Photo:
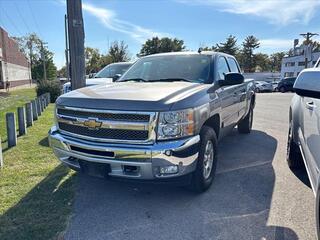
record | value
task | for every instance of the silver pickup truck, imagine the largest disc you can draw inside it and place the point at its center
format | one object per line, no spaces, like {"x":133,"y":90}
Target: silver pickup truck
{"x":161,"y":121}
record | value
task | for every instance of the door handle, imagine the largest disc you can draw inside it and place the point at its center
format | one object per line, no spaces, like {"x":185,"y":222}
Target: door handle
{"x":310,"y":105}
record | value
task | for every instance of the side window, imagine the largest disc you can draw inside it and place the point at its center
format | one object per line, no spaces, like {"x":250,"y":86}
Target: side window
{"x":233,"y":65}
{"x":222,"y":68}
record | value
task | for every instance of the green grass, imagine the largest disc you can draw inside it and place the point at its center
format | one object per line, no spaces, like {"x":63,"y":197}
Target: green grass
{"x":36,"y":192}
{"x":9,"y":103}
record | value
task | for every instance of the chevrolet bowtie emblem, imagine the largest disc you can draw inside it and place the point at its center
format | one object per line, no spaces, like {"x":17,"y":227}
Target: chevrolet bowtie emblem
{"x":92,"y":124}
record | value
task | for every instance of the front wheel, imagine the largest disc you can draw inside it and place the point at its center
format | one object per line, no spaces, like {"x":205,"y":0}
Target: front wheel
{"x":282,"y":89}
{"x":294,"y":157}
{"x":204,"y":174}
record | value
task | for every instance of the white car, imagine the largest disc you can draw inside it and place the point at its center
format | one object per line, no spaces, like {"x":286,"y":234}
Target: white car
{"x":304,"y":130}
{"x":108,"y":74}
{"x":262,"y":86}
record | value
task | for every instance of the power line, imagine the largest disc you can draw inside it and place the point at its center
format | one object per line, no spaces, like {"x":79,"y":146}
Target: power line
{"x":22,"y":18}
{"x":11,"y":22}
{"x":34,"y":19}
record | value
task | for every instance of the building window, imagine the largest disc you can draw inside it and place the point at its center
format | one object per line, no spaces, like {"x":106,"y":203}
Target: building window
{"x":301,"y":63}
{"x":288,"y":74}
{"x":290,"y":64}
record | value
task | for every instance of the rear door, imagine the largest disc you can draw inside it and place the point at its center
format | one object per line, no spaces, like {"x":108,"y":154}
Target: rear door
{"x":240,"y":89}
{"x":229,"y":99}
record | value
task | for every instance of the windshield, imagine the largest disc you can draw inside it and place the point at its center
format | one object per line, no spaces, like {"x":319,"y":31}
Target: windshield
{"x":112,"y":70}
{"x":191,"y":67}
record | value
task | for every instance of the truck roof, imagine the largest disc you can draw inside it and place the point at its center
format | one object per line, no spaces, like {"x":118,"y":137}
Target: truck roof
{"x":209,"y":53}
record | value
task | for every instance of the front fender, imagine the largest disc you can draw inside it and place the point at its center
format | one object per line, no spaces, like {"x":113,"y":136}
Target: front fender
{"x":295,"y":115}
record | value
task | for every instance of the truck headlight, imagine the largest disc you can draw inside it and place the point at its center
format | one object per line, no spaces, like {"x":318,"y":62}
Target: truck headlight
{"x":176,"y":124}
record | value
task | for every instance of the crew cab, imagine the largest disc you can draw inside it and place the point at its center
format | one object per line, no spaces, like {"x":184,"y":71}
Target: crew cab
{"x":161,"y":121}
{"x":107,"y":74}
{"x":304,"y":130}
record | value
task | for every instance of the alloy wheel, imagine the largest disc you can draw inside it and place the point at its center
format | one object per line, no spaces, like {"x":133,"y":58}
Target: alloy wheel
{"x":208,"y":160}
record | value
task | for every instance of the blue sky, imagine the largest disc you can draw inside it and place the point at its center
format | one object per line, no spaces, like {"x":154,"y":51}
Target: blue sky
{"x":197,"y":22}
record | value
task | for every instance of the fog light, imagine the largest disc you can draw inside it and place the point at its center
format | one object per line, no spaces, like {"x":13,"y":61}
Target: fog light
{"x":169,"y":169}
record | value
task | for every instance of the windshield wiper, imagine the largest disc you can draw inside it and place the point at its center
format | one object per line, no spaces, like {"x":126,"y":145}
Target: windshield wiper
{"x":133,"y":79}
{"x":171,"y":80}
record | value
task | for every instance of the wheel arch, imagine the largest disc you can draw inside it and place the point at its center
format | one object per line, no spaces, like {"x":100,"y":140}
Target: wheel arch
{"x":294,"y":117}
{"x":215,"y":123}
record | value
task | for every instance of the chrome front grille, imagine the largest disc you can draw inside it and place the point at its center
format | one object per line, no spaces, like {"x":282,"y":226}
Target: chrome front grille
{"x":107,"y":126}
{"x":106,"y":133}
{"x":106,"y":115}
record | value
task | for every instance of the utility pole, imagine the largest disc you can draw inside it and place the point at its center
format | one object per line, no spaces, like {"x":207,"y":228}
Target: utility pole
{"x":44,"y":62}
{"x":67,"y":47}
{"x":76,"y":43}
{"x":308,"y":37}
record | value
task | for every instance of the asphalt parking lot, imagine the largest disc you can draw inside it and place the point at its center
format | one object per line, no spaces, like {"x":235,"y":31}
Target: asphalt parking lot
{"x":254,"y":195}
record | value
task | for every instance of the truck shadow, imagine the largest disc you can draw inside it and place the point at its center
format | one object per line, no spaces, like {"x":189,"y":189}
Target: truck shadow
{"x":42,"y":212}
{"x":235,"y":207}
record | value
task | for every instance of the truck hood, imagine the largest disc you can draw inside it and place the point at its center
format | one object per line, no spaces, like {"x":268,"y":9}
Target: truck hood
{"x":131,"y":96}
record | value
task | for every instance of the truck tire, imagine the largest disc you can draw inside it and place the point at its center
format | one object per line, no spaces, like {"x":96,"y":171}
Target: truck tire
{"x":203,"y":176}
{"x":245,"y":125}
{"x":294,"y":157}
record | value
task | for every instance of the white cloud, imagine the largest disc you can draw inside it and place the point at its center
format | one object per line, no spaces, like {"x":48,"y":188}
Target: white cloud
{"x":109,"y":19}
{"x":276,"y":43}
{"x":279,"y":12}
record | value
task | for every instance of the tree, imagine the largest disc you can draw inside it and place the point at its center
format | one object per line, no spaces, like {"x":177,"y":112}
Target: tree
{"x":118,"y":52}
{"x":206,"y":48}
{"x":276,"y":60}
{"x":229,"y":46}
{"x":262,"y":62}
{"x":315,"y":45}
{"x":37,"y":67}
{"x":92,"y":57}
{"x":157,"y":45}
{"x":104,"y":61}
{"x":62,"y":72}
{"x":247,"y":58}
{"x":33,"y":42}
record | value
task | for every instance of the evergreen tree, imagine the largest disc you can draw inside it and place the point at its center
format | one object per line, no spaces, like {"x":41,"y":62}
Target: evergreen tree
{"x":247,"y":58}
{"x":229,"y":46}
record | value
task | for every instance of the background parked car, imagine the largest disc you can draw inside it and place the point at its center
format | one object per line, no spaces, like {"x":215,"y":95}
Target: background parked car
{"x":109,"y":73}
{"x":304,"y":130}
{"x":286,"y":84}
{"x":275,"y":86}
{"x":262,"y":86}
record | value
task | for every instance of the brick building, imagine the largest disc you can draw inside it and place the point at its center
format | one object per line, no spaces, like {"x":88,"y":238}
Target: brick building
{"x":14,"y":66}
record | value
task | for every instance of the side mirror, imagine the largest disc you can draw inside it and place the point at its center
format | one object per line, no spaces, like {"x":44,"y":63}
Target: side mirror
{"x":231,"y":79}
{"x":308,"y":84}
{"x":116,"y":77}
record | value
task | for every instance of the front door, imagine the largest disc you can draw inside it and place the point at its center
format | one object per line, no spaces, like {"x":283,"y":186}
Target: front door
{"x":311,"y":134}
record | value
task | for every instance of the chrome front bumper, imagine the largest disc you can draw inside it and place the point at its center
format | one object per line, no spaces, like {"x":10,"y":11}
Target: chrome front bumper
{"x":146,"y":160}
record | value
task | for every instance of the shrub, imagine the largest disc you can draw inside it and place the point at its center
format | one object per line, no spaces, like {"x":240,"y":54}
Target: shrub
{"x":52,"y":87}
